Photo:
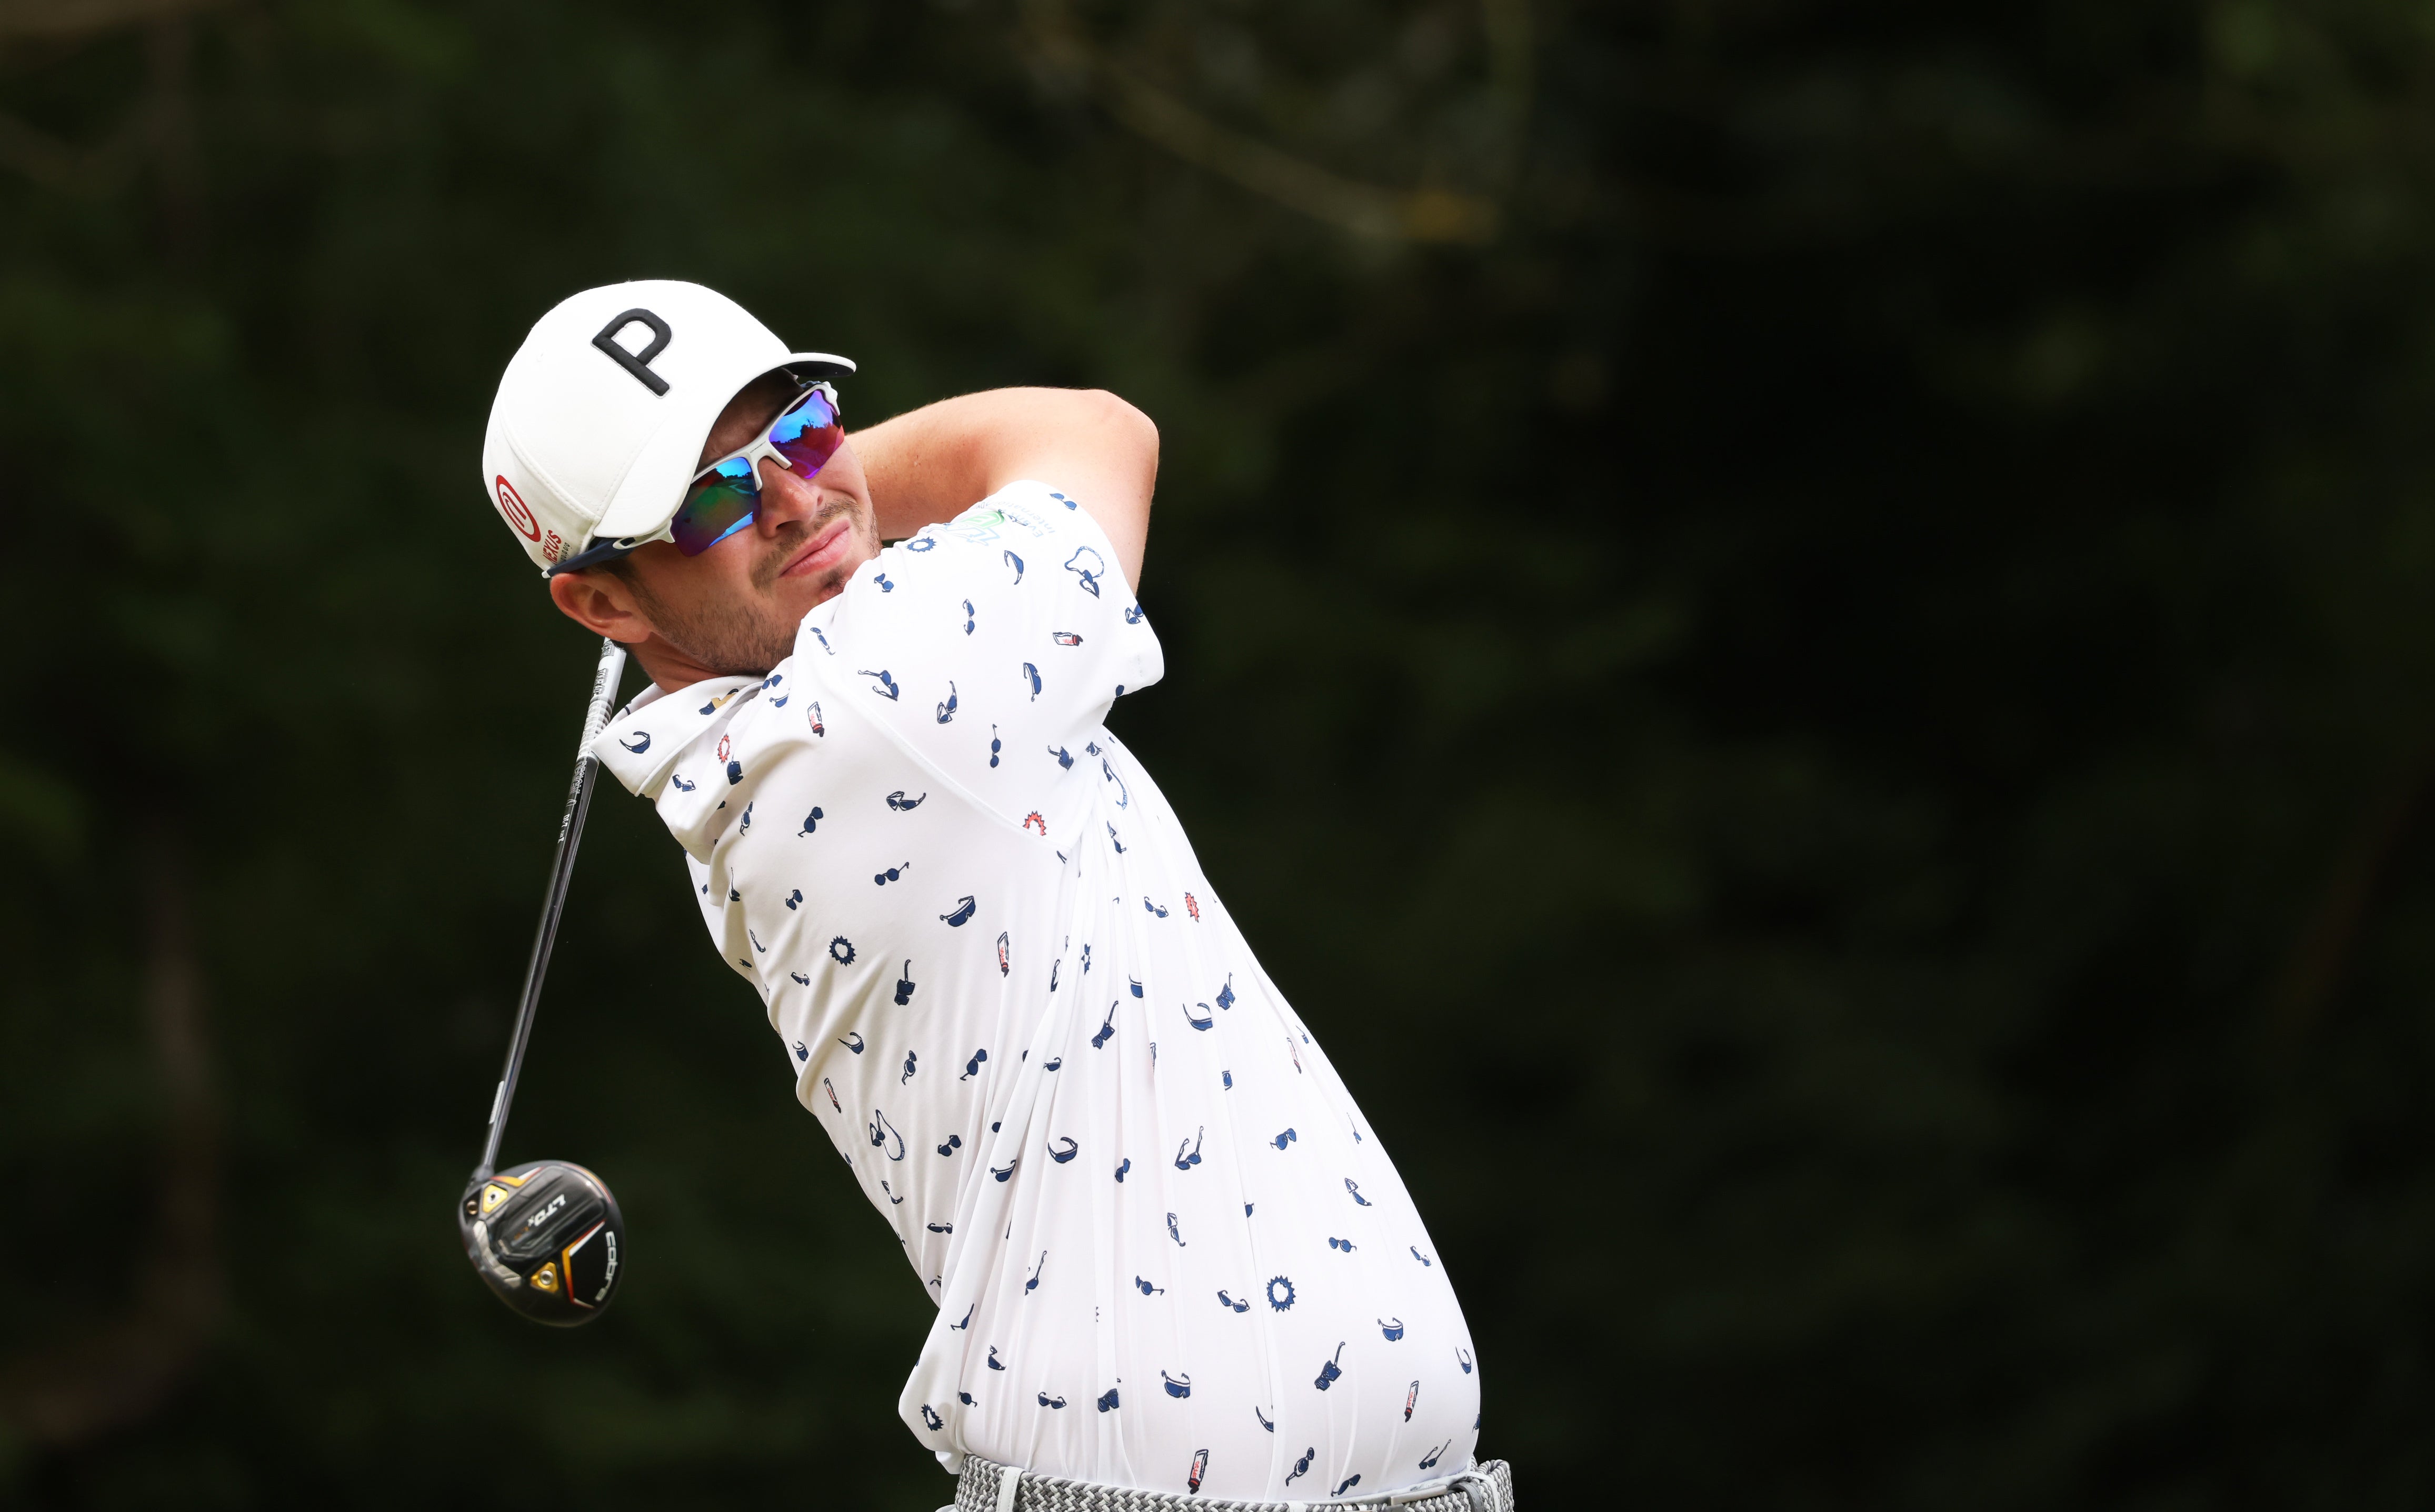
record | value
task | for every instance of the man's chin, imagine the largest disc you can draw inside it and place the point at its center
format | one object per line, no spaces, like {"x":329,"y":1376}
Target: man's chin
{"x":747,"y":642}
{"x":799,"y":596}
{"x":773,"y":641}
{"x":799,"y":593}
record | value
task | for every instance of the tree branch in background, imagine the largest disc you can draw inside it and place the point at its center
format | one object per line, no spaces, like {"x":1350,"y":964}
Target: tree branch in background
{"x":1365,"y":210}
{"x":123,"y":1371}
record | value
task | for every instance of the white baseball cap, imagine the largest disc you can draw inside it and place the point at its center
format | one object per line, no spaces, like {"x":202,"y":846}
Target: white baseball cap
{"x":601,"y":415}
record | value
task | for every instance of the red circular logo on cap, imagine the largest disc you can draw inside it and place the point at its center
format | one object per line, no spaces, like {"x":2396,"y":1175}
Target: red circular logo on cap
{"x":513,"y":505}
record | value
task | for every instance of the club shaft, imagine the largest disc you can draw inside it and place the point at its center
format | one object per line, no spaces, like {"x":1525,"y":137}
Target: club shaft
{"x":570,"y":834}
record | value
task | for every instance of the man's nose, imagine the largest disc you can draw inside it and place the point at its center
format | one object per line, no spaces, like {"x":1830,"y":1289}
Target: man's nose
{"x":786,"y":496}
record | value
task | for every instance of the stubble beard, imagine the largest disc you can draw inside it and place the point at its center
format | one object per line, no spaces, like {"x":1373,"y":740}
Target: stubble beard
{"x":744,"y":638}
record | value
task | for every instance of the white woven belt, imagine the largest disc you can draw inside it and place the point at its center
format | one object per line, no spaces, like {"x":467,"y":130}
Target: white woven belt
{"x":987,"y":1487}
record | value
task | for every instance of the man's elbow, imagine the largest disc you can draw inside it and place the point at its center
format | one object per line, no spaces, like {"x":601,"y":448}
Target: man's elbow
{"x":1127,"y":430}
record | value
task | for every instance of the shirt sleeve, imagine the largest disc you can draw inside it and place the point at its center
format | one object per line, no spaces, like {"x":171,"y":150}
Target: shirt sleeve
{"x":1006,"y":632}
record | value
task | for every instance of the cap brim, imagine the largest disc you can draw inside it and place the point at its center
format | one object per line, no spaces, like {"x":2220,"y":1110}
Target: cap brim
{"x":818,"y":365}
{"x":649,"y":495}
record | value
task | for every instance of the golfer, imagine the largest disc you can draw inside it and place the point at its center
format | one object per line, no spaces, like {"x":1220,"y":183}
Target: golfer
{"x":1168,"y":1254}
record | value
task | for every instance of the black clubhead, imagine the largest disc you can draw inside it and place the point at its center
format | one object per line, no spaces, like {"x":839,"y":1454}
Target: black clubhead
{"x":548,"y":1238}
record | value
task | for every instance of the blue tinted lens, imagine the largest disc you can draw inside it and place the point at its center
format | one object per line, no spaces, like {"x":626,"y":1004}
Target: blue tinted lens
{"x":720,"y":503}
{"x":807,"y":435}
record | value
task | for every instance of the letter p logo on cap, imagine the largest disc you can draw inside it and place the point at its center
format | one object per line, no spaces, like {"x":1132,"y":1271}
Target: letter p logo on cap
{"x":637,"y":363}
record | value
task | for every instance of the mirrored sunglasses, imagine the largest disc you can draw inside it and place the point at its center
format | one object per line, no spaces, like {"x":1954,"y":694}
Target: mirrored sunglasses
{"x":725,"y":496}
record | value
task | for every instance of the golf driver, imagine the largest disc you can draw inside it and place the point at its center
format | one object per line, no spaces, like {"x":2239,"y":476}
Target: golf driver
{"x":546,"y":1235}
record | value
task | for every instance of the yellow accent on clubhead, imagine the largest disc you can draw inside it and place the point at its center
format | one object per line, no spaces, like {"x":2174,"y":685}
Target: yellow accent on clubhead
{"x":545,"y":1279}
{"x":493,"y":1194}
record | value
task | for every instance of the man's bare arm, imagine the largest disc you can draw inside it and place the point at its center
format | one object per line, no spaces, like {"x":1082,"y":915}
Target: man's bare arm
{"x":930,"y":464}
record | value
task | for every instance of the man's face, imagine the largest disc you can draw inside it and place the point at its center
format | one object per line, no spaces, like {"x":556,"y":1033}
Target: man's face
{"x":735,"y":609}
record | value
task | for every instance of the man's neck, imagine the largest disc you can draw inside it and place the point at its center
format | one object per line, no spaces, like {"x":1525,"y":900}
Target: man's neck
{"x":669,"y":668}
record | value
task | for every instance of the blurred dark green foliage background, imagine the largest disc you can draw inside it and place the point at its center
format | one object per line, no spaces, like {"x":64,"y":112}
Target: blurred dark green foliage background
{"x":1803,"y":631}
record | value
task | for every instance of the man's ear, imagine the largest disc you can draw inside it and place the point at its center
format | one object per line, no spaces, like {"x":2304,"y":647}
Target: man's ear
{"x":601,"y":603}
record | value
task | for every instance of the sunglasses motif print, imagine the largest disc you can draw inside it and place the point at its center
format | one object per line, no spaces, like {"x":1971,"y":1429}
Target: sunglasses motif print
{"x":725,"y":496}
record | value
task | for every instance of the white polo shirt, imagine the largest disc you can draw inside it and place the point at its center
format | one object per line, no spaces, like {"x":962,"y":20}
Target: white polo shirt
{"x":1168,"y":1250}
